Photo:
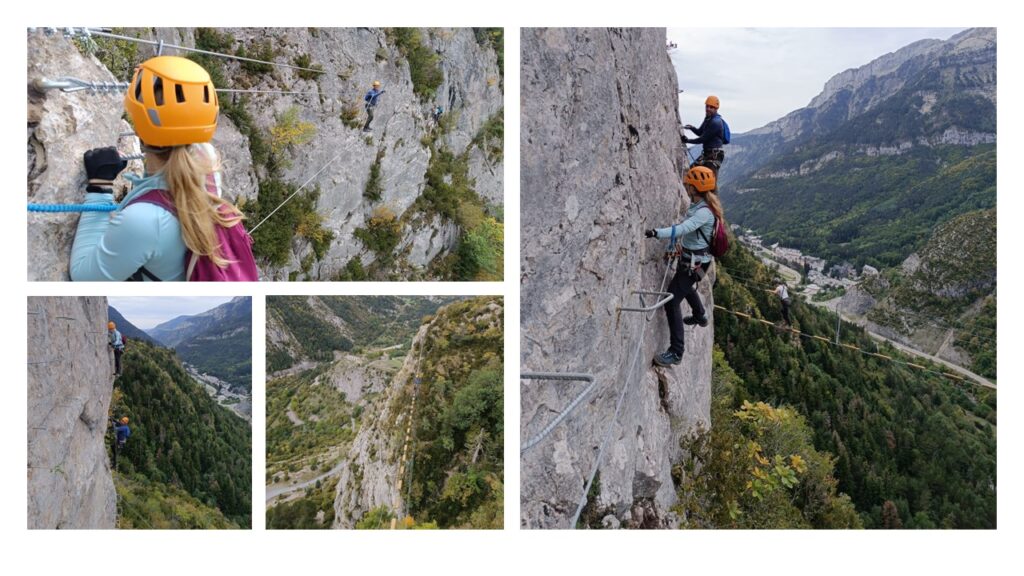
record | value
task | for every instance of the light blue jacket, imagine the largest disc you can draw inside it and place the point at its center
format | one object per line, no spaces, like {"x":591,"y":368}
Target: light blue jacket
{"x":114,"y":246}
{"x":698,"y":217}
{"x":114,"y":337}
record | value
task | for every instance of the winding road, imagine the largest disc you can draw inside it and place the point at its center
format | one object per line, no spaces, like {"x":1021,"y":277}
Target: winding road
{"x":275,"y":491}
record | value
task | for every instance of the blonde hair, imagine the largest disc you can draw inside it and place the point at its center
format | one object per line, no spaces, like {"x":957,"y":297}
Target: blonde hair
{"x":714,"y":204}
{"x":198,"y":211}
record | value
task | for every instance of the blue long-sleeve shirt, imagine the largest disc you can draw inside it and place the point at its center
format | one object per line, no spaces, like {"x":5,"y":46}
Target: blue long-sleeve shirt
{"x":711,"y":133}
{"x":123,"y":432}
{"x":372,"y":96}
{"x":114,"y":337}
{"x":698,"y":217}
{"x":115,"y":246}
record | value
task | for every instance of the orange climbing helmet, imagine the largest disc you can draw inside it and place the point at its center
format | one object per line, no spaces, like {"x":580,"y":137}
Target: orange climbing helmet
{"x":712,"y":101}
{"x":124,"y":420}
{"x":110,"y":325}
{"x":700,"y":177}
{"x":172,"y":102}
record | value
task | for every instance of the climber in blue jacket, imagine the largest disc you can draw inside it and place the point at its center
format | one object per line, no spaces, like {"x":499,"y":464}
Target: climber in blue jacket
{"x":371,"y":99}
{"x":122,"y":432}
{"x":712,"y":134}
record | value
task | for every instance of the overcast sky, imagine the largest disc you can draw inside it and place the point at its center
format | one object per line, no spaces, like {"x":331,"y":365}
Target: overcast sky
{"x":147,"y":312}
{"x":762,"y":74}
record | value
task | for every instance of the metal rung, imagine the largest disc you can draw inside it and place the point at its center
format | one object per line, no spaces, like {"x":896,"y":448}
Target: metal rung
{"x":667,"y":298}
{"x":564,"y":376}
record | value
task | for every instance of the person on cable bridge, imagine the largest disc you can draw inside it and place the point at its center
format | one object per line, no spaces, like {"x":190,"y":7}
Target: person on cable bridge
{"x":173,"y":223}
{"x":694,"y":235}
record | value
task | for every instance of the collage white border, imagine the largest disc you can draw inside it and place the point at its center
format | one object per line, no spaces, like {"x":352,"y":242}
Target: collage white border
{"x":510,"y":551}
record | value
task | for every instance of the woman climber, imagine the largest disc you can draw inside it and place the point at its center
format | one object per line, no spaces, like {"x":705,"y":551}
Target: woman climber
{"x":173,"y":223}
{"x":694,"y":235}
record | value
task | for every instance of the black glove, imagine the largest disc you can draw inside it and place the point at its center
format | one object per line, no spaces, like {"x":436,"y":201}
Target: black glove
{"x":650,"y":234}
{"x":684,"y":139}
{"x":104,"y":164}
{"x":689,"y":127}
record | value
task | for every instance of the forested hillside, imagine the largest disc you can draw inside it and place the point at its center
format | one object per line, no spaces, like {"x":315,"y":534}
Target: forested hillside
{"x":181,"y":439}
{"x":882,"y":156}
{"x":911,"y":448}
{"x":458,"y":477}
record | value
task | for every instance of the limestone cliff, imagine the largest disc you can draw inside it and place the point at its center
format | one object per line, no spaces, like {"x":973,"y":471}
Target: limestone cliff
{"x":69,"y":391}
{"x":327,"y":110}
{"x":369,"y":477}
{"x":601,"y":162}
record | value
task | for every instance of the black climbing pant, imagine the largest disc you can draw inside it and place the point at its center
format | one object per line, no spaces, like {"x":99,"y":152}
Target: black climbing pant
{"x":369,"y":117}
{"x":785,"y":311}
{"x":711,"y":159}
{"x":683,"y":286}
{"x":117,"y":360}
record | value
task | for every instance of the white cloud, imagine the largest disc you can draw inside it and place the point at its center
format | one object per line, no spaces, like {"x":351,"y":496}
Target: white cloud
{"x":762,"y":74}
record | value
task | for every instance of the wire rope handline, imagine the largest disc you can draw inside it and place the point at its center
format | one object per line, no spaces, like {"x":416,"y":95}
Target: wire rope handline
{"x":564,"y":376}
{"x":622,"y":396}
{"x":982,"y":333}
{"x":304,"y":184}
{"x":949,"y":375}
{"x":89,"y":32}
{"x":69,"y":84}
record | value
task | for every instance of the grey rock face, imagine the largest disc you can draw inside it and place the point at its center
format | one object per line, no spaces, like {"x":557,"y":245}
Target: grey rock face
{"x":61,"y":128}
{"x":69,"y":390}
{"x":355,"y":58}
{"x":601,"y":162}
{"x":856,"y":301}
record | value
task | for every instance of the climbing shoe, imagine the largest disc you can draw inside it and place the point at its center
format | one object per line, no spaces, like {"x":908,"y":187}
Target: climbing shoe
{"x":691,"y":320}
{"x":667,"y":359}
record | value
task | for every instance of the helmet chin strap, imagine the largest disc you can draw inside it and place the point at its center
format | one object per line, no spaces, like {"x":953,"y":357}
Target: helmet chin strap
{"x":161,"y":150}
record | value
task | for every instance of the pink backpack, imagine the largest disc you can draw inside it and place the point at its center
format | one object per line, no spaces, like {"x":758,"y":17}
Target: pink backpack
{"x":719,"y":243}
{"x":235,"y":247}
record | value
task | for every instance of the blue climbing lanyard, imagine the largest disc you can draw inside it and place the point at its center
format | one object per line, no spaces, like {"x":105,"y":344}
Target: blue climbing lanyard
{"x":72,"y":207}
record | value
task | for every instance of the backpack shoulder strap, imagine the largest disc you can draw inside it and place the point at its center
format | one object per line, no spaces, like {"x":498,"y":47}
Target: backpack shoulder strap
{"x":142,"y":274}
{"x":714,"y":222}
{"x":158,"y":197}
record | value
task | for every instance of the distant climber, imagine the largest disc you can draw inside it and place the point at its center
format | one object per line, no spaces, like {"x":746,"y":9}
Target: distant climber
{"x":713,"y":134}
{"x":173,"y":224}
{"x":371,"y":99}
{"x":436,"y":114}
{"x":783,"y":293}
{"x":116,"y":343}
{"x":694,"y":235}
{"x":121,"y":434}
